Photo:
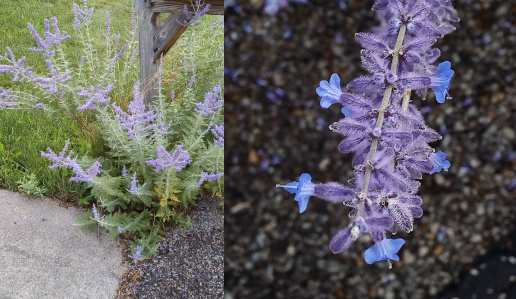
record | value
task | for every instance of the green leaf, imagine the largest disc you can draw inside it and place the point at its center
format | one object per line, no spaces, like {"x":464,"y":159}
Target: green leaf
{"x":85,"y":222}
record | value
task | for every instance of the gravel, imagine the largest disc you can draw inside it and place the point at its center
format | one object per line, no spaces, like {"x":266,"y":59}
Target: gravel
{"x":276,"y":130}
{"x":189,"y":263}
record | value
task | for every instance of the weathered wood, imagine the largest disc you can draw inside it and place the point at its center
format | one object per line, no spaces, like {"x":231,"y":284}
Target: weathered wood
{"x":156,"y":39}
{"x":169,"y":33}
{"x":171,"y":6}
{"x":148,"y":67}
{"x":187,"y":2}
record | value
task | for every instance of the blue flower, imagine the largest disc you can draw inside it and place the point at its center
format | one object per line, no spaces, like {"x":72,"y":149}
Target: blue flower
{"x":387,"y":249}
{"x":347,"y":112}
{"x":441,"y":81}
{"x":329,"y":92}
{"x":303,"y":190}
{"x":439,"y":161}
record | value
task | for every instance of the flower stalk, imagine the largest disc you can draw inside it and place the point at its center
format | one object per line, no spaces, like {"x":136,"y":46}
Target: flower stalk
{"x":381,"y":115}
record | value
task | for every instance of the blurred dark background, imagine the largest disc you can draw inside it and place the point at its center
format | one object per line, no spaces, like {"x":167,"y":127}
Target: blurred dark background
{"x":463,"y":246}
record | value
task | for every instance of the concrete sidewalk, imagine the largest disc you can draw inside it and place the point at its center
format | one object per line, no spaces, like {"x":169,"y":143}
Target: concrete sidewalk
{"x":43,"y":256}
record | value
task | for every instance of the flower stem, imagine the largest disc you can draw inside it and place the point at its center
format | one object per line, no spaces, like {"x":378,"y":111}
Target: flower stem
{"x":406,"y":98}
{"x":381,"y":115}
{"x":85,"y":126}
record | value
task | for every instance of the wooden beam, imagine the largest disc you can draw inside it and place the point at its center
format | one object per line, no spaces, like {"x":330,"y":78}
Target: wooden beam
{"x":149,"y":22}
{"x":172,"y":6}
{"x":156,"y":39}
{"x":169,"y":33}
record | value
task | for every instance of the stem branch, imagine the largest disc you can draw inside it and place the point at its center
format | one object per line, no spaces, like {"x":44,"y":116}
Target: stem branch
{"x":406,"y":98}
{"x":379,"y":121}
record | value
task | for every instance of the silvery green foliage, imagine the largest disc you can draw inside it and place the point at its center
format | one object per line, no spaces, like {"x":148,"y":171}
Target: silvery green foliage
{"x":156,"y":156}
{"x":29,"y":185}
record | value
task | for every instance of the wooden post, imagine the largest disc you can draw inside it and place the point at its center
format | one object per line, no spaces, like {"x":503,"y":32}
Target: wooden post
{"x":147,"y":66}
{"x":157,"y":38}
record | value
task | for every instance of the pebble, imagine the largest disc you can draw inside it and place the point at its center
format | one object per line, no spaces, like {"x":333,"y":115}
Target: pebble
{"x":408,"y":257}
{"x":423,"y":251}
{"x":509,"y":133}
{"x":476,"y":238}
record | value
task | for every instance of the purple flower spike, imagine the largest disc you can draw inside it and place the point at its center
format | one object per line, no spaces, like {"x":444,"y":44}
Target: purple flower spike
{"x":329,"y":92}
{"x":209,"y":177}
{"x":134,"y":187}
{"x":192,"y":16}
{"x":439,"y":161}
{"x":68,"y":162}
{"x":137,"y":253}
{"x":210,"y":104}
{"x":218,"y":131}
{"x":95,"y":97}
{"x":51,"y":83}
{"x":303,"y":189}
{"x":137,"y":123}
{"x":163,"y":159}
{"x":46,"y":46}
{"x":120,"y":230}
{"x":122,"y":51}
{"x":95,"y":213}
{"x":192,"y":81}
{"x":81,"y":16}
{"x":386,"y":249}
{"x":179,"y":159}
{"x":108,"y":24}
{"x":6,"y":98}
{"x":17,"y":68}
{"x":441,"y":81}
{"x":85,"y":176}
